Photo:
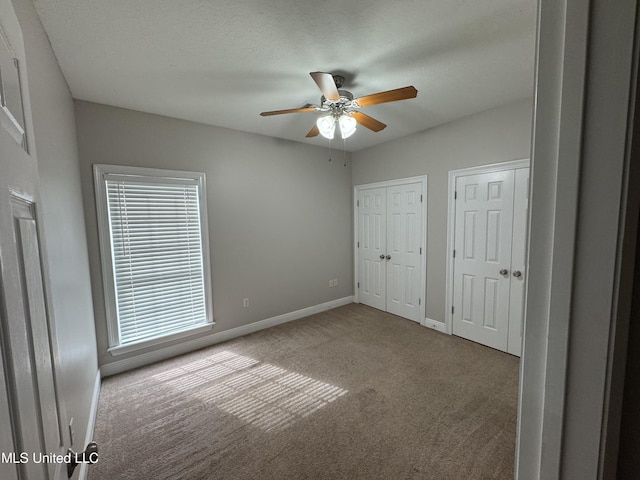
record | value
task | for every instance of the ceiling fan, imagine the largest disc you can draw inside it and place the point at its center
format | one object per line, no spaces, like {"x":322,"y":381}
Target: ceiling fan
{"x":342,"y":109}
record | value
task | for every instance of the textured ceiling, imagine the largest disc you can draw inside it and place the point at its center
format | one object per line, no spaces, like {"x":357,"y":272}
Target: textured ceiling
{"x":223,"y":62}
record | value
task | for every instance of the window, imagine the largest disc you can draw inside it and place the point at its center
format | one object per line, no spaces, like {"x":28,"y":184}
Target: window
{"x":153,"y":239}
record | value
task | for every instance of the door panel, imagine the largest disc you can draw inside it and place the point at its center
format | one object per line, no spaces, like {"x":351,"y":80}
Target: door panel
{"x":403,"y":268}
{"x":518,"y":259}
{"x":8,"y":471}
{"x":29,"y":413}
{"x":483,"y":228}
{"x":372,"y":223}
{"x":31,"y":406}
{"x":26,"y":235}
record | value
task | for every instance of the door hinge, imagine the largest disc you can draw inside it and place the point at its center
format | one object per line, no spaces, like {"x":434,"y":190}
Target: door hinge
{"x":419,"y":301}
{"x":455,"y":195}
{"x":454,"y":253}
{"x":452,"y":310}
{"x":358,"y":244}
{"x":420,"y":250}
{"x":420,"y":198}
{"x":357,"y":203}
{"x":358,"y":284}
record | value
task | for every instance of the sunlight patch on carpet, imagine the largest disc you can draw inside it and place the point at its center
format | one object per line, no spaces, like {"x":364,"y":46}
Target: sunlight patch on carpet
{"x":266,"y":396}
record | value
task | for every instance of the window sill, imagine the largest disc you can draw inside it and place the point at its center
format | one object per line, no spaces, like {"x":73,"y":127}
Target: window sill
{"x":132,"y":347}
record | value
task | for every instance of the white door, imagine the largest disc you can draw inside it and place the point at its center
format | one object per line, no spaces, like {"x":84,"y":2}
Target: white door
{"x":483,"y":229}
{"x":489,"y":248}
{"x":404,"y":233}
{"x":372,"y":227}
{"x":29,"y":411}
{"x":518,"y":258}
{"x":389,"y":249}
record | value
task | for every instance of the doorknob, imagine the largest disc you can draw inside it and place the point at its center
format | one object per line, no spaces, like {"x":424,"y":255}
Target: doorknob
{"x":517,"y":274}
{"x":388,"y":257}
{"x":504,"y":271}
{"x":90,"y":456}
{"x":381,"y":257}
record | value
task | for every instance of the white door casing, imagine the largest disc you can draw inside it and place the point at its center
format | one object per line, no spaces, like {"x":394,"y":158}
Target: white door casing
{"x":483,"y":229}
{"x":390,"y":246}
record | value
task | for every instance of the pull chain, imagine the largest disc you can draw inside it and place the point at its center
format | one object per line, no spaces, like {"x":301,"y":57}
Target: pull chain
{"x":344,"y":151}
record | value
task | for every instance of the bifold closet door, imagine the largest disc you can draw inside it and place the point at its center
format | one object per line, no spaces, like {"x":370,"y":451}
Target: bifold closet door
{"x":404,"y":232}
{"x":372,"y":247}
{"x":389,"y":252}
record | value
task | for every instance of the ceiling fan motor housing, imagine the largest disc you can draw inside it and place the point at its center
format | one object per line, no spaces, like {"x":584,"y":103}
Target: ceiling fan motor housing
{"x":339,"y":80}
{"x":343,"y":105}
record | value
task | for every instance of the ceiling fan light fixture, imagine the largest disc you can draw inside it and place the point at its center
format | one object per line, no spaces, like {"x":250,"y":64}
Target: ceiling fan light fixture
{"x":347,"y":126}
{"x":340,"y":107}
{"x":326,"y":126}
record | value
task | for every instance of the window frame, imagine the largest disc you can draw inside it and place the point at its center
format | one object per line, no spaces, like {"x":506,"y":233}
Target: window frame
{"x":100,"y":174}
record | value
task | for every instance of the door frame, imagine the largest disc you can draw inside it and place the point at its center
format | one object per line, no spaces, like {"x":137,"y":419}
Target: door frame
{"x":423,"y":179}
{"x":451,"y":209}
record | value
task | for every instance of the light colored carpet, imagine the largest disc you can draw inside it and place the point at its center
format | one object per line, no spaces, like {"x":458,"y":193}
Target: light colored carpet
{"x":352,"y":393}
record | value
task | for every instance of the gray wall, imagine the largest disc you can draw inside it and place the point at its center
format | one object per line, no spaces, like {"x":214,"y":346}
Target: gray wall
{"x":279,"y":221}
{"x":492,"y":136}
{"x":53,"y":145}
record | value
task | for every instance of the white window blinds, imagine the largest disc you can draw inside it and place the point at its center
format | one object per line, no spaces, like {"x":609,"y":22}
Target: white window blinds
{"x":156,"y":242}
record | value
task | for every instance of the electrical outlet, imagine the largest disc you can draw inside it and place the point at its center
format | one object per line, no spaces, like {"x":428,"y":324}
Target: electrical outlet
{"x":245,"y":302}
{"x":330,"y":283}
{"x":335,"y":282}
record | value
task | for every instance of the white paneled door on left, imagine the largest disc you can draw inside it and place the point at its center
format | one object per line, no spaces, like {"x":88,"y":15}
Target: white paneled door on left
{"x":390,"y":248}
{"x":372,"y":247}
{"x":30,"y":414}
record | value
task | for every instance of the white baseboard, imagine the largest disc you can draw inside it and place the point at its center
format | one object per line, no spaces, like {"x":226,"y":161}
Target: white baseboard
{"x":91,"y":424}
{"x":125,"y":364}
{"x":439,"y":326}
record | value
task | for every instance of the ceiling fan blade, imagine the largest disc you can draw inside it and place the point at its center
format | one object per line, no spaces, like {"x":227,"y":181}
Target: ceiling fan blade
{"x":368,"y":122}
{"x":313,"y":132}
{"x":388,"y":96}
{"x":291,"y":110}
{"x":326,"y":84}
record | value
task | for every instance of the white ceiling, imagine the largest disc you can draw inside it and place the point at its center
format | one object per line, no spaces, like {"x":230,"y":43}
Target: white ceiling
{"x":222,"y":62}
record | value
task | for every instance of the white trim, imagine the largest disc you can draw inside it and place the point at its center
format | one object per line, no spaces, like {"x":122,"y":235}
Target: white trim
{"x":202,"y":342}
{"x":451,"y":209}
{"x":584,"y":146}
{"x":491,"y":167}
{"x":392,"y":183}
{"x":424,"y":180}
{"x":434,"y":324}
{"x":93,"y":411}
{"x":132,"y":347}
